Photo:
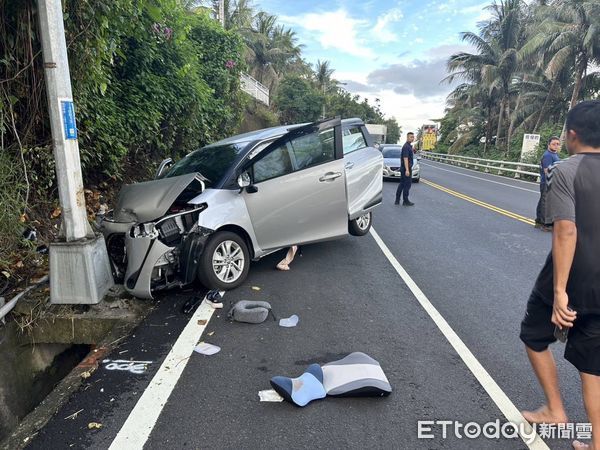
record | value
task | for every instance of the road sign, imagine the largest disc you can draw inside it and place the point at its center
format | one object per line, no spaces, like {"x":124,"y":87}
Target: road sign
{"x":530,"y":146}
{"x":68,"y":119}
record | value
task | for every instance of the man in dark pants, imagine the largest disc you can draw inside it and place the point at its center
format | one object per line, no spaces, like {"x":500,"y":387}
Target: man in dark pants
{"x":406,"y":162}
{"x":566,"y":295}
{"x":549,"y":157}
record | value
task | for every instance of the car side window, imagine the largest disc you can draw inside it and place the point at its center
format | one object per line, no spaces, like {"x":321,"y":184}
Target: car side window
{"x":313,"y":149}
{"x":275,"y":164}
{"x":353,"y":139}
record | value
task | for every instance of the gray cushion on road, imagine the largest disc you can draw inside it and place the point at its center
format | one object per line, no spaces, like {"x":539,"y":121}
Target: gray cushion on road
{"x":355,"y":375}
{"x":249,"y":312}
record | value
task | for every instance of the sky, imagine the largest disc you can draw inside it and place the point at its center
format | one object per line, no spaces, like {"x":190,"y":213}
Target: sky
{"x":395,"y":51}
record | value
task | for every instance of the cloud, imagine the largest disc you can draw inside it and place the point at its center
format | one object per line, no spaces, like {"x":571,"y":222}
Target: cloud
{"x":419,"y":78}
{"x":334,"y":29}
{"x":446,"y":50}
{"x":382,"y":34}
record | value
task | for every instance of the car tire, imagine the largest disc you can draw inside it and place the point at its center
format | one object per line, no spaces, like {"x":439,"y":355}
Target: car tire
{"x":224,"y":252}
{"x":416,"y":180}
{"x":361,"y":225}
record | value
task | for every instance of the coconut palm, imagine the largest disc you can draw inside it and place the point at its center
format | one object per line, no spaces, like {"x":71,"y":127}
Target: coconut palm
{"x":568,"y":36}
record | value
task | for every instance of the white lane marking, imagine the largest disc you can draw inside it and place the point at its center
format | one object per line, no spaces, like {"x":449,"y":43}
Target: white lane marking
{"x":137,"y":428}
{"x":484,"y":179}
{"x":501,"y":400}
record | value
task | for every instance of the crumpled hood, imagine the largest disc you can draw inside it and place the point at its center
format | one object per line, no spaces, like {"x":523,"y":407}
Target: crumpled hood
{"x":150,"y":200}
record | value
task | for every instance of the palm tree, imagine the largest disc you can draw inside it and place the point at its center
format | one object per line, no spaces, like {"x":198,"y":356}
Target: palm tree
{"x":495,"y":65}
{"x":569,"y":36}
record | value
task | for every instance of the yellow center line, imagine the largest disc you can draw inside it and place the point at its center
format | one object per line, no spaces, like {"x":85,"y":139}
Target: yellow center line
{"x":504,"y":212}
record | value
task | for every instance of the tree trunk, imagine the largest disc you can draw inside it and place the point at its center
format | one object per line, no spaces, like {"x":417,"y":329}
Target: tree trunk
{"x":512,"y":121}
{"x":539,"y":122}
{"x":499,"y":129}
{"x":488,"y":130}
{"x":508,"y":124}
{"x":575,"y":96}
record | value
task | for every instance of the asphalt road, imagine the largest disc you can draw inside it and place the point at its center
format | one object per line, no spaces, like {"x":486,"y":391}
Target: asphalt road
{"x":474,"y":264}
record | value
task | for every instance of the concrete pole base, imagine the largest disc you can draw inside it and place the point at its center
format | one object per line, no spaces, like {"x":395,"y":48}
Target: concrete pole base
{"x":80,"y":272}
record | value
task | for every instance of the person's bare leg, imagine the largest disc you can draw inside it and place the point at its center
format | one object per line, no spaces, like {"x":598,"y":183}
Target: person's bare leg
{"x":591,"y":392}
{"x":545,"y":369}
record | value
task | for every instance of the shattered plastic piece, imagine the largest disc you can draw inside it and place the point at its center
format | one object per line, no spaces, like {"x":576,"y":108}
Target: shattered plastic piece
{"x":255,"y":288}
{"x":30,"y":234}
{"x":191,"y":304}
{"x":85,"y":375}
{"x":204,"y":348}
{"x":270,"y":395}
{"x":74,"y":415}
{"x":94,"y":425}
{"x":202,"y":322}
{"x":289,"y":322}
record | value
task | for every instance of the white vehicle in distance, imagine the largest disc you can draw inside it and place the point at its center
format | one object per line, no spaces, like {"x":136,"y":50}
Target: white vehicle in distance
{"x":391,"y":162}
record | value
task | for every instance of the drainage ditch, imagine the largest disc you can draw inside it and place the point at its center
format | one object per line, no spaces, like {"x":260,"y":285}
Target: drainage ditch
{"x":28,"y":373}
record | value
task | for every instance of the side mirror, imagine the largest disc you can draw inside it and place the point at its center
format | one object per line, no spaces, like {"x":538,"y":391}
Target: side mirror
{"x":244,"y":180}
{"x":163,"y":165}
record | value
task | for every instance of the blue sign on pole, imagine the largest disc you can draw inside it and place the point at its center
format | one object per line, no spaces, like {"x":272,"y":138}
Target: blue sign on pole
{"x":68,"y":115}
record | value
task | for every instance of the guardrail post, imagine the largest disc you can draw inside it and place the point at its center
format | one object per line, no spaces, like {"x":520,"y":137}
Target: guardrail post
{"x":487,"y":168}
{"x":500,"y":169}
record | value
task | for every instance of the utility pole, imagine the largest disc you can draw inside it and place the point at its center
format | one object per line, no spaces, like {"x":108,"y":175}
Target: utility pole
{"x":79,"y":267}
{"x":221,"y":12}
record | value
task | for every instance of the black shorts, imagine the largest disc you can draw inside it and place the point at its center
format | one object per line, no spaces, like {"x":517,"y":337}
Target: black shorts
{"x":583,"y":344}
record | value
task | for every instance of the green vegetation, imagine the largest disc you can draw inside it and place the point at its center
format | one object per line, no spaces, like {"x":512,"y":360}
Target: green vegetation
{"x":531,"y":65}
{"x":151,"y":79}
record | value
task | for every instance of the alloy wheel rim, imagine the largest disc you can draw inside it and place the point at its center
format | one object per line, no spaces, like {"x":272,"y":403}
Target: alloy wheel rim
{"x":228,"y":261}
{"x":363,"y":221}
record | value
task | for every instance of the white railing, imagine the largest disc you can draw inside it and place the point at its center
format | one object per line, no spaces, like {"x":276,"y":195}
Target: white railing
{"x":257,"y":90}
{"x":486,"y":165}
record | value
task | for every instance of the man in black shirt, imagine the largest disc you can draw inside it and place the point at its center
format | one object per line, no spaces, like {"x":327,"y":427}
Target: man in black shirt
{"x":566,"y":295}
{"x":406,"y":162}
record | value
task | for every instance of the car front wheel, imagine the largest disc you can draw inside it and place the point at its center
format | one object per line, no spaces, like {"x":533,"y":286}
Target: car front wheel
{"x":361,"y":225}
{"x":225,"y":262}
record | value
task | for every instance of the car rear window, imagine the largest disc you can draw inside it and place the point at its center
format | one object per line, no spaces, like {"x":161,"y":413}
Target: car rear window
{"x":212,"y":162}
{"x":392,"y":152}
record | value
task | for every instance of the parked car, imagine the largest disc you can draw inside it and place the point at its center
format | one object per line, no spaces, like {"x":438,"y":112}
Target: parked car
{"x":239,"y":199}
{"x":391,"y":162}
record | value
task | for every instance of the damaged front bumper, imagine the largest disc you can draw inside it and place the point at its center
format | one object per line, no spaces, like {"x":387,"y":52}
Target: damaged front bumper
{"x":158,"y":255}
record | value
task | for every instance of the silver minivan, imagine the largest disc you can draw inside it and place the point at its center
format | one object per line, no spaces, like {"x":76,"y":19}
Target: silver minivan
{"x":209,"y":214}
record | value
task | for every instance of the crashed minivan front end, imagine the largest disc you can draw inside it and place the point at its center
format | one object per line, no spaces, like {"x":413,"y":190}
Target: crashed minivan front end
{"x":153,"y":237}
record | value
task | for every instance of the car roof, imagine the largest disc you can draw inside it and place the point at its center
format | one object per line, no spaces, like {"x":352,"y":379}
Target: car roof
{"x":267,"y":133}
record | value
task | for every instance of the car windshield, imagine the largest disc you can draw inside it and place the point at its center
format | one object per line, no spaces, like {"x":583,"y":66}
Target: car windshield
{"x":212,"y":162}
{"x":392,"y":152}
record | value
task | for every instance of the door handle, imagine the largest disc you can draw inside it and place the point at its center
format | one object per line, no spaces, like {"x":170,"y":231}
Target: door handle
{"x":330,"y":176}
{"x":349,"y":165}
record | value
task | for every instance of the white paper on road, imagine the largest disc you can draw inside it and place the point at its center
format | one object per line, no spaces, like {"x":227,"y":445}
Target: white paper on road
{"x":289,"y":322}
{"x":204,"y":348}
{"x":269,"y":395}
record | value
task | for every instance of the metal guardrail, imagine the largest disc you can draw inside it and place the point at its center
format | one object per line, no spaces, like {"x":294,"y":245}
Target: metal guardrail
{"x":486,"y":165}
{"x":256,"y":89}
